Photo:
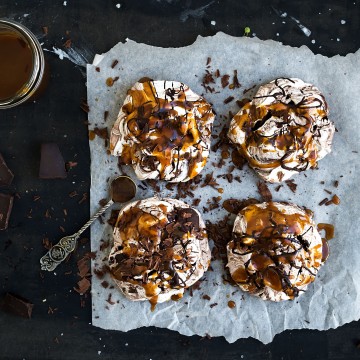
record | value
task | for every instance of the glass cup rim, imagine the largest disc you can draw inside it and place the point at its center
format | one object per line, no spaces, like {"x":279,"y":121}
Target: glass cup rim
{"x":38,"y":63}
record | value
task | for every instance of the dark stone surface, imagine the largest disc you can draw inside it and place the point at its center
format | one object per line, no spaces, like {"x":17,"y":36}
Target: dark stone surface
{"x":57,"y":117}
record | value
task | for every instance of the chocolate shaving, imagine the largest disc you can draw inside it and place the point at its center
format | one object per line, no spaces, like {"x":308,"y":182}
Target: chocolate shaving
{"x":208,"y":61}
{"x":213,"y":304}
{"x":45,"y":30}
{"x":236,"y":83}
{"x":206,"y":297}
{"x":323,"y":201}
{"x":105,"y":284}
{"x":47,"y":244}
{"x":83,"y":267}
{"x":106,"y":114}
{"x":234,"y":206}
{"x":264,"y":191}
{"x":291,"y":184}
{"x":225,"y":80}
{"x":114,"y":63}
{"x":228,"y":100}
{"x":83,"y":286}
{"x":67,"y":44}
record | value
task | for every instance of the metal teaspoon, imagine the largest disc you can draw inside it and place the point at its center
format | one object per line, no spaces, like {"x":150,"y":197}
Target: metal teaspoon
{"x":122,"y":189}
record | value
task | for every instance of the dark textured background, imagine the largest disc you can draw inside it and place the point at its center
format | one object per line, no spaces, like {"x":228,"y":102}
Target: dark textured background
{"x":97,"y":25}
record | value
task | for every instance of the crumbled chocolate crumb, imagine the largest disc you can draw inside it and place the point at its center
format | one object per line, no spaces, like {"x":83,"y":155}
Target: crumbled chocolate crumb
{"x":234,"y":206}
{"x":102,"y":133}
{"x":196,"y":202}
{"x":336,"y":183}
{"x":220,"y":233}
{"x":208,"y":61}
{"x":206,"y":297}
{"x":213,"y":304}
{"x":217,"y":73}
{"x":237,"y":159}
{"x":278,"y":188}
{"x":73,"y":194}
{"x":328,"y":191}
{"x":291,"y":184}
{"x":264,"y":191}
{"x":84,"y":267}
{"x":229,"y":177}
{"x":97,"y":69}
{"x":45,"y":30}
{"x":113,"y":217}
{"x":109,"y":300}
{"x":47,"y":244}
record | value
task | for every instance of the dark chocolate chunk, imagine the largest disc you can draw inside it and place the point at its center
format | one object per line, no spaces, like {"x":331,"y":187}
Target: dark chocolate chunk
{"x":16,"y":305}
{"x":6,"y":203}
{"x":264,"y":191}
{"x":6,"y":176}
{"x":52,"y":164}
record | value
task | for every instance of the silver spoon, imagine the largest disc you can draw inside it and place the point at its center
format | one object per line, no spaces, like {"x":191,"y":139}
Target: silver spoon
{"x":122,"y":189}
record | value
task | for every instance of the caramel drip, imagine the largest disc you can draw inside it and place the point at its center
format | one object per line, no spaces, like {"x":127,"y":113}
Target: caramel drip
{"x":328,"y":228}
{"x":273,"y":239}
{"x":296,"y":140}
{"x":159,"y":130}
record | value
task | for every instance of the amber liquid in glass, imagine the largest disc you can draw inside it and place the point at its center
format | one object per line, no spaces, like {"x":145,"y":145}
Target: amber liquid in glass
{"x":16,"y":64}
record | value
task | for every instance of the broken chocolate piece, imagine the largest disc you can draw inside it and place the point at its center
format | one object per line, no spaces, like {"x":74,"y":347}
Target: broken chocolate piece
{"x":6,"y":176}
{"x":16,"y":305}
{"x":52,"y":164}
{"x":6,"y":204}
{"x":264,"y":191}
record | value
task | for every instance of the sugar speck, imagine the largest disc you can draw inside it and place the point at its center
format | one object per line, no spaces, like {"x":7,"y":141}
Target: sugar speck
{"x":337,"y":39}
{"x":213,"y":23}
{"x":277,"y":34}
{"x":343,"y":22}
{"x":118,"y":6}
{"x":99,"y":352}
{"x":65,"y":3}
{"x":313,"y":41}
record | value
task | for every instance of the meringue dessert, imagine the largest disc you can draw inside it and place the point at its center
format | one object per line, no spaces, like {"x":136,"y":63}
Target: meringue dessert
{"x":163,"y":130}
{"x":160,"y":248}
{"x":284,"y":130}
{"x":276,"y":250}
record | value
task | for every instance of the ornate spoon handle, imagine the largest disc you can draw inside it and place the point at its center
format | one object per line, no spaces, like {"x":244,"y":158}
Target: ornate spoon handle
{"x":67,"y":244}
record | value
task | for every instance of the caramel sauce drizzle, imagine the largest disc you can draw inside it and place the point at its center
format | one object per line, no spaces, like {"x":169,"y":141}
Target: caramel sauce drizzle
{"x":151,"y":261}
{"x":295,"y":139}
{"x":159,"y":130}
{"x":273,"y":239}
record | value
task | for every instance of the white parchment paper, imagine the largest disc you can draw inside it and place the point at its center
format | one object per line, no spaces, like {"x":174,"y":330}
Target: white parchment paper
{"x":333,"y":299}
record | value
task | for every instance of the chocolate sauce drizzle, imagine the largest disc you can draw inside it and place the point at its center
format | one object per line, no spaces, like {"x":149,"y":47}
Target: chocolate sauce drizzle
{"x":161,"y":251}
{"x":272,"y":248}
{"x":296,"y":133}
{"x":160,"y":134}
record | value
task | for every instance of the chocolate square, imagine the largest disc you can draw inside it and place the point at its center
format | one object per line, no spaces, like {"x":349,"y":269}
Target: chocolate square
{"x":6,"y":176}
{"x":6,"y":204}
{"x":52,"y":164}
{"x":16,"y":305}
